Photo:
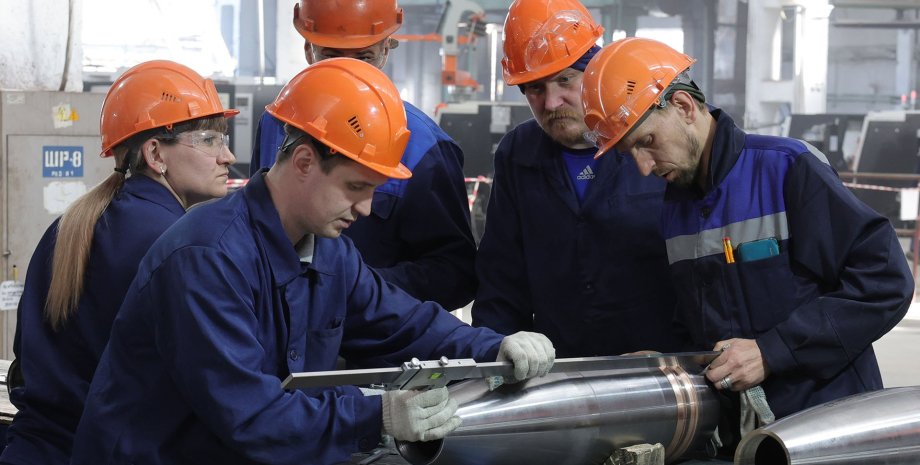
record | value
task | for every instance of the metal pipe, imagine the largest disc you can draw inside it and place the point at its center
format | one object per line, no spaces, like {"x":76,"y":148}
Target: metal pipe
{"x":260,"y":13}
{"x":574,"y":418}
{"x":879,"y":427}
{"x":68,"y":48}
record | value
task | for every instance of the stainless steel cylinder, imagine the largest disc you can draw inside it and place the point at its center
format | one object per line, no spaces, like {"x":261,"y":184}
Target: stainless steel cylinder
{"x":880,"y":427}
{"x":573,"y":418}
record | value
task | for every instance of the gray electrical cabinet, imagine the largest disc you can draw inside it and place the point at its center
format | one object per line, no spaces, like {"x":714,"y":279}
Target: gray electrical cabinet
{"x":478,"y":127}
{"x":49,"y":156}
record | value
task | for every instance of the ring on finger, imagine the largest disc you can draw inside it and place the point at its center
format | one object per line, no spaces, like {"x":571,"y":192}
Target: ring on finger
{"x":726,"y":383}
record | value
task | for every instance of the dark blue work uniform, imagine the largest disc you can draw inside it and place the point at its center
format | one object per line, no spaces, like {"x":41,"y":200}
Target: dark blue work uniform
{"x":839,"y":282}
{"x":593,"y":277}
{"x":58,"y":365}
{"x":418,"y":234}
{"x":221,"y":311}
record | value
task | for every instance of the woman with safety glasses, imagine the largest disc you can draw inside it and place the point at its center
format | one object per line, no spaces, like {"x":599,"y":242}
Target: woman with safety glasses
{"x":165,"y":127}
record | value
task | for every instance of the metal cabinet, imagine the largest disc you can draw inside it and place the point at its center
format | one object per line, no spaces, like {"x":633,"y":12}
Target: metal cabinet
{"x":49,"y":156}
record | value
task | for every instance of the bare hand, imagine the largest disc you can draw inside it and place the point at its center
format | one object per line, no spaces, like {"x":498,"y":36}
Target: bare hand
{"x":739,"y":367}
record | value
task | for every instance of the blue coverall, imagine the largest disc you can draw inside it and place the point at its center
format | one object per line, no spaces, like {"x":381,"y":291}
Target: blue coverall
{"x":839,"y":282}
{"x":221,"y":311}
{"x":58,"y":365}
{"x":593,"y":277}
{"x":418,"y":234}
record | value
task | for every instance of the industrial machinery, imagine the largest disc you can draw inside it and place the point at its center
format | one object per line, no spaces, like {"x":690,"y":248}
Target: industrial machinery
{"x":455,"y":80}
{"x":49,"y":156}
{"x":833,"y":134}
{"x":457,"y":84}
{"x":578,"y":414}
{"x":889,"y":144}
{"x":478,"y":127}
{"x":880,"y":427}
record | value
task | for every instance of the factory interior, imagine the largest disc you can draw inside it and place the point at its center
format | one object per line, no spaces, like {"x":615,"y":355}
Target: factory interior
{"x":842,"y":76}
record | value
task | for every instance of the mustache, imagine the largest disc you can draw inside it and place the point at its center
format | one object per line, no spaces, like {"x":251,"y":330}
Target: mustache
{"x":560,"y":114}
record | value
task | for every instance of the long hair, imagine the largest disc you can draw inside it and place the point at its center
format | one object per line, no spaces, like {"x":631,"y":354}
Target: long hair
{"x":76,"y":227}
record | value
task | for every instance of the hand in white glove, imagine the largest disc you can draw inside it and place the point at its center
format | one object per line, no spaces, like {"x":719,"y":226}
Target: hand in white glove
{"x":419,"y":415}
{"x":531,"y":353}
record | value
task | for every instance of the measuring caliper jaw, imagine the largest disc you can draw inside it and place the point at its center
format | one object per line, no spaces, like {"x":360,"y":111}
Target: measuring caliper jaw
{"x":418,"y":374}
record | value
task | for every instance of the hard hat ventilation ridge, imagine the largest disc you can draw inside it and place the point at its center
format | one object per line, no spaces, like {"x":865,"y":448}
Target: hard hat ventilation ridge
{"x":167,"y":97}
{"x":630,"y":87}
{"x":356,"y":126}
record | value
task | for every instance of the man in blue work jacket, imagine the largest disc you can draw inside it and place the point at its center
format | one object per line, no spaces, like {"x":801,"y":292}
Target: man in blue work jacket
{"x":242,"y":292}
{"x":418,"y":234}
{"x":572,"y":247}
{"x":775,"y":261}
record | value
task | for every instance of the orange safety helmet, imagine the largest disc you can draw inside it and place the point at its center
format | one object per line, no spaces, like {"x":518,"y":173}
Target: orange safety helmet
{"x":346,"y":23}
{"x":543,"y":37}
{"x":623,"y":81}
{"x":353,"y":108}
{"x":154,"y":94}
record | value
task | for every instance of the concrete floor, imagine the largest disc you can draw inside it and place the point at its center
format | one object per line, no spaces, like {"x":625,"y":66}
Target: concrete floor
{"x":898,"y":351}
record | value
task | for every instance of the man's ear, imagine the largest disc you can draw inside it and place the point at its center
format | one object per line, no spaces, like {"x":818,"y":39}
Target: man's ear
{"x":388,"y":44}
{"x":304,"y":158}
{"x":685,"y":105}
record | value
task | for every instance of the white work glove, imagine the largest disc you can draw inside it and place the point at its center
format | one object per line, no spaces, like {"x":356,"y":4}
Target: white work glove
{"x":419,"y":415}
{"x":531,"y":353}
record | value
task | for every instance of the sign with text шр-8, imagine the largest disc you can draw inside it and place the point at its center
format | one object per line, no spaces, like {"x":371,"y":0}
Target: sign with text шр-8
{"x":62,"y":161}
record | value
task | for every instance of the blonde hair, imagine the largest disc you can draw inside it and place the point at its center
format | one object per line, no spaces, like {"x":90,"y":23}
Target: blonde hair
{"x":71,"y":251}
{"x":78,"y":224}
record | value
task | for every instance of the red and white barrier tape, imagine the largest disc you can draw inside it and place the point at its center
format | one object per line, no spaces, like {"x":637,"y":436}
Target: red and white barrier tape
{"x":471,"y":198}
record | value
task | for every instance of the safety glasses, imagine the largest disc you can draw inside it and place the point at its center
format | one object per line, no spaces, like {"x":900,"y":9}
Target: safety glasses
{"x":210,"y":142}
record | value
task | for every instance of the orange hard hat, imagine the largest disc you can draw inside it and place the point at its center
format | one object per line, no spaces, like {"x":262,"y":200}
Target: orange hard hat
{"x":623,"y":81}
{"x":346,"y":23}
{"x":353,"y":108}
{"x":154,"y":94}
{"x":543,"y":37}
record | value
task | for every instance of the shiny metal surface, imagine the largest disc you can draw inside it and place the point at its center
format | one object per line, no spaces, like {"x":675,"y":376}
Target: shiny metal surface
{"x":436,"y":373}
{"x":880,"y":427}
{"x":573,"y":418}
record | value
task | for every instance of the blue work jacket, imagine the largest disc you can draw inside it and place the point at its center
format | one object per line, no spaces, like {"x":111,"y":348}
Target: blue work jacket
{"x":592,"y":277}
{"x":222,"y":310}
{"x":418,"y":234}
{"x":58,"y":365}
{"x":839,"y":282}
